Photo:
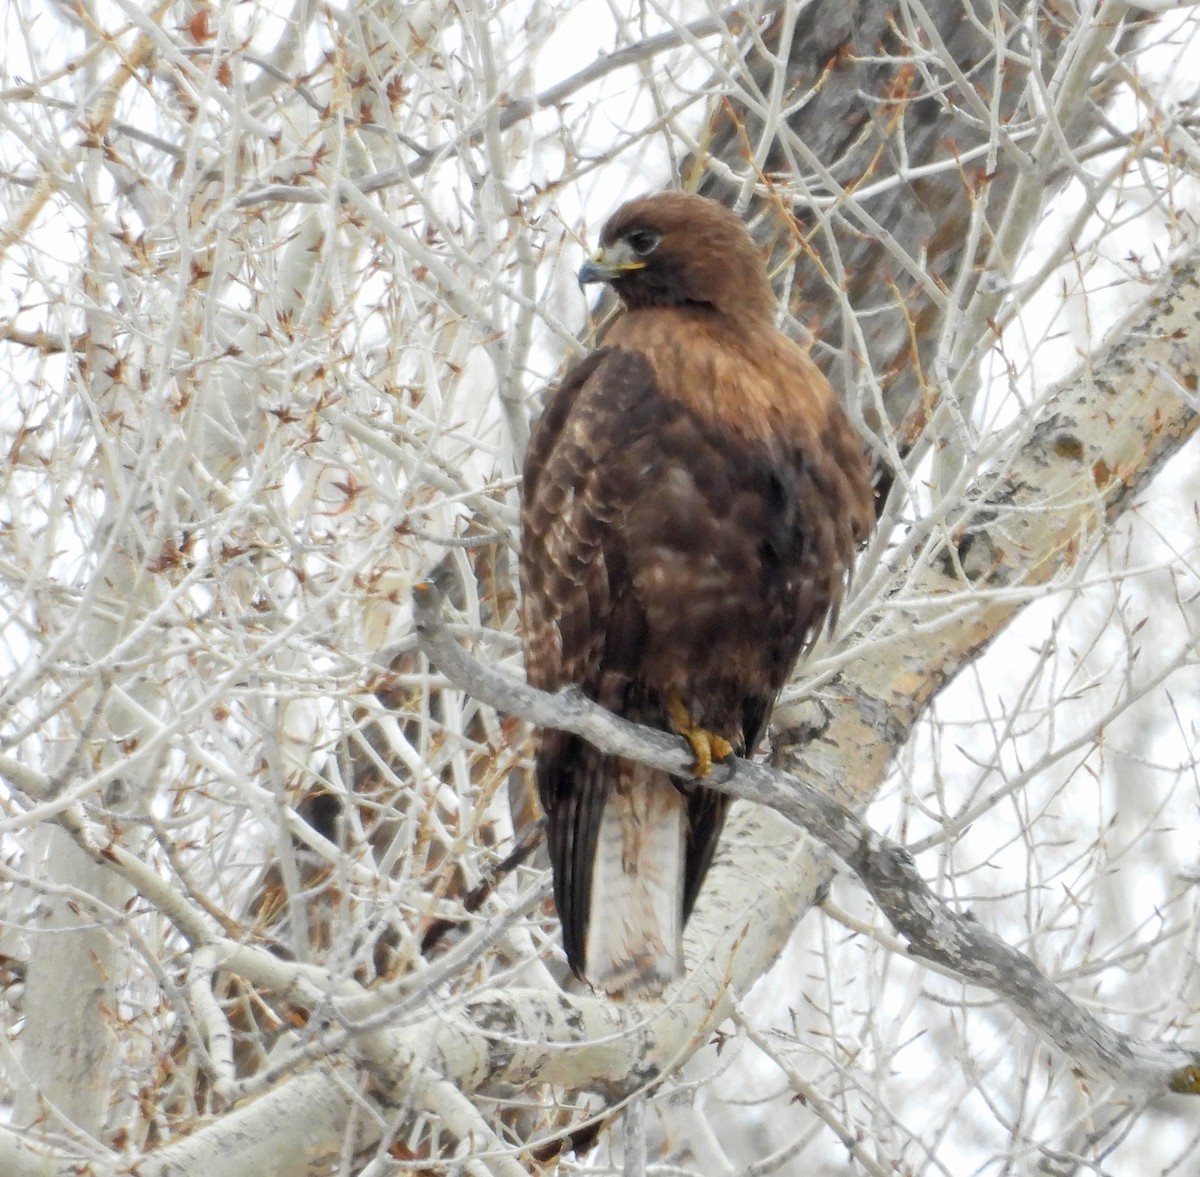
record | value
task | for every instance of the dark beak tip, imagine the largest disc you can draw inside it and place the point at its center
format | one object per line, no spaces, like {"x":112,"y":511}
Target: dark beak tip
{"x":590,"y":272}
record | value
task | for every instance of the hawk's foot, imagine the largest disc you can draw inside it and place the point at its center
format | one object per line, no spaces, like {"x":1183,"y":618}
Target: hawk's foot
{"x":706,"y":746}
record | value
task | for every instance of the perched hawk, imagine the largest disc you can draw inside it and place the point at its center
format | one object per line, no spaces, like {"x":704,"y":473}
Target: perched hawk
{"x":693,"y":499}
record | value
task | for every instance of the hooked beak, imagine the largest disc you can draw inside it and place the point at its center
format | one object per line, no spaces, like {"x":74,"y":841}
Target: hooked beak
{"x":607,"y":265}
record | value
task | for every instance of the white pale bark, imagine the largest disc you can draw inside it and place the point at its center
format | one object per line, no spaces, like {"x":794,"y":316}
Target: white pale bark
{"x":69,"y":1038}
{"x":75,"y":968}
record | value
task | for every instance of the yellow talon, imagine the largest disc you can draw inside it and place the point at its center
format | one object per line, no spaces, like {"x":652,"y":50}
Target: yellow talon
{"x":706,"y":746}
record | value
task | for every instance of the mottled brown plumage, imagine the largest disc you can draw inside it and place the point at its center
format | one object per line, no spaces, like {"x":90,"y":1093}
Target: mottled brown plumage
{"x":693,"y":498}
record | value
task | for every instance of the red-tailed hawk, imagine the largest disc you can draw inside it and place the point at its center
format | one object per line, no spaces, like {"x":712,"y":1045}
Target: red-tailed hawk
{"x":693,"y":499}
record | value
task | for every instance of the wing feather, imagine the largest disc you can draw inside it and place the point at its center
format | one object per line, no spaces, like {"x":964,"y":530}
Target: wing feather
{"x":667,"y":553}
{"x":580,"y":623}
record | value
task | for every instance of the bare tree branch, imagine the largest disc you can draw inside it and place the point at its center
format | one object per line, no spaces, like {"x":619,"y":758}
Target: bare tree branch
{"x":934,"y":931}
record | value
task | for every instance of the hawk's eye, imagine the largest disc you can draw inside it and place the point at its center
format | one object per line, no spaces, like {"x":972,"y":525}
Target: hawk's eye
{"x":643,"y":241}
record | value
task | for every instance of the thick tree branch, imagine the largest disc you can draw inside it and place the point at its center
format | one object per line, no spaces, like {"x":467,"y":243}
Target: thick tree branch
{"x":1038,"y":509}
{"x":933,"y":929}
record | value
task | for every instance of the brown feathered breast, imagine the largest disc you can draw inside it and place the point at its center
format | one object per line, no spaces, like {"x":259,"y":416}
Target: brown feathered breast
{"x":693,"y":498}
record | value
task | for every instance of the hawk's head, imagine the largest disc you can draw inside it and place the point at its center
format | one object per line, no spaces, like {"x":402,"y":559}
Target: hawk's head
{"x":676,"y":249}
